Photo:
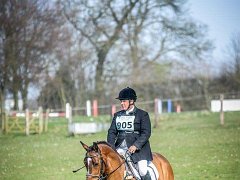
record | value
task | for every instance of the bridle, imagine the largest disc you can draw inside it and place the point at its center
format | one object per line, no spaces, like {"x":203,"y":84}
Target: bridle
{"x":103,"y":165}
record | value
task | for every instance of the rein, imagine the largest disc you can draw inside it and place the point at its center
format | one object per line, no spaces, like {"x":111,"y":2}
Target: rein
{"x":115,"y":169}
{"x":74,"y":171}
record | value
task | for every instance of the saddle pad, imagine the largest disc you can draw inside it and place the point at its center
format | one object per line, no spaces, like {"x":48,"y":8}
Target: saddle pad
{"x":151,"y":169}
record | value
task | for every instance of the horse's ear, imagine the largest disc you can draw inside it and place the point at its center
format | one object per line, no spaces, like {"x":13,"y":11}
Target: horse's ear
{"x":84,"y":146}
{"x":95,"y":146}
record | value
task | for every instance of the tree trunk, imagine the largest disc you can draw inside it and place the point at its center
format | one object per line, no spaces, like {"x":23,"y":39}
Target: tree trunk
{"x":24,"y":97}
{"x":2,"y":104}
{"x":15,"y":98}
{"x":63,"y":96}
{"x":99,"y":73}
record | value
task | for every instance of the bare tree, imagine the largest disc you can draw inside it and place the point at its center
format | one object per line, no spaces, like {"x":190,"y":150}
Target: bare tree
{"x":101,"y":22}
{"x":234,"y":55}
{"x":28,"y":33}
{"x":230,"y":73}
{"x":142,"y":33}
{"x":157,"y":40}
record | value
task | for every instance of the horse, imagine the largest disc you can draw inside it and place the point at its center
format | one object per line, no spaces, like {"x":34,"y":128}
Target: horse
{"x":103,"y":162}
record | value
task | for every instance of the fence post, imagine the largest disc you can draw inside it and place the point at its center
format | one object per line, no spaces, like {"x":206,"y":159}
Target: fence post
{"x":221,"y":110}
{"x":40,"y":116}
{"x":69,"y":113}
{"x":88,"y":106}
{"x":157,"y":111}
{"x":5,"y":120}
{"x":2,"y":120}
{"x":27,"y":122}
{"x":46,"y":121}
{"x":69,"y":118}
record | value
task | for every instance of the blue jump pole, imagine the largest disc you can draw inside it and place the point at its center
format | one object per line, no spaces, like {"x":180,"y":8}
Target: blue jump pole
{"x":169,"y":106}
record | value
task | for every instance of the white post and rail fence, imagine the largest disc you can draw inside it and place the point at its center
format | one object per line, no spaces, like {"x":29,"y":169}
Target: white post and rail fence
{"x":222,"y":105}
{"x":37,"y":122}
{"x":160,"y":106}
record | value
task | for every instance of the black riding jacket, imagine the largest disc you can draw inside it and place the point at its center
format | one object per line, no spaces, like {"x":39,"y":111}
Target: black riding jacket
{"x":135,"y":128}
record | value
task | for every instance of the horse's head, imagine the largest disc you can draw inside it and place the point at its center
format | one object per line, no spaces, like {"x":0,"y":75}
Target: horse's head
{"x":94,"y":162}
{"x":102,"y":161}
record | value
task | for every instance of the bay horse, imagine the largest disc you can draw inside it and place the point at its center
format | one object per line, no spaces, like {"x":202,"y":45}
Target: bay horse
{"x":103,"y":162}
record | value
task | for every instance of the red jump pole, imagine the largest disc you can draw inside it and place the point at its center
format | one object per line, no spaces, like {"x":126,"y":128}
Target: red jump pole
{"x":95,"y":108}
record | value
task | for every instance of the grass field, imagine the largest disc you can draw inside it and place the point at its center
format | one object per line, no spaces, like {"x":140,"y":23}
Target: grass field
{"x":196,"y":145}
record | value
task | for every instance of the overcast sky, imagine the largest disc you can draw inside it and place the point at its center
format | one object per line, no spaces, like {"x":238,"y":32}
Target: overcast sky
{"x":222,"y":18}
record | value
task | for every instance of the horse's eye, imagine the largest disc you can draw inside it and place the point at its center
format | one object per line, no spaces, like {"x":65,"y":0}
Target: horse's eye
{"x":95,"y":163}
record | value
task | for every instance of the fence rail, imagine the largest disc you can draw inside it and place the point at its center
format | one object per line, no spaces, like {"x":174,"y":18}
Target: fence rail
{"x":24,"y":122}
{"x":34,"y":120}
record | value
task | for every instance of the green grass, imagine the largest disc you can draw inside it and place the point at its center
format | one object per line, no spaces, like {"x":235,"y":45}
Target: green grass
{"x":196,"y":145}
{"x":199,"y":147}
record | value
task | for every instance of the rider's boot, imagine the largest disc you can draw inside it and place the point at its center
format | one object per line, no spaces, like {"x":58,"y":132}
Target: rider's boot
{"x":146,"y":177}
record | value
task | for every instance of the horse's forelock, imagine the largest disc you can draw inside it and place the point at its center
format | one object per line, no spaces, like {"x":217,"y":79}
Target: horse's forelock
{"x":94,"y":147}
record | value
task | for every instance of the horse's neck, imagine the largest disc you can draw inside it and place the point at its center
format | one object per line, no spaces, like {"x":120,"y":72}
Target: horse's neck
{"x":112,"y":156}
{"x":114,"y":162}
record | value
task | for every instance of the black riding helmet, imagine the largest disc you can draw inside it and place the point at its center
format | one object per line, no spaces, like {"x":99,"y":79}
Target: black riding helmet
{"x":127,"y":94}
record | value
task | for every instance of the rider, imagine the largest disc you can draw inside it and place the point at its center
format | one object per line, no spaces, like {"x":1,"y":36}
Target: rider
{"x":130,"y":130}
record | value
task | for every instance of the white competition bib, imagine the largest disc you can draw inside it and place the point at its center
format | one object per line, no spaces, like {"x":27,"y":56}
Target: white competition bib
{"x":125,"y":123}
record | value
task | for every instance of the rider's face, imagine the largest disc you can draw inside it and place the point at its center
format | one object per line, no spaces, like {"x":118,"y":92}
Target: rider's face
{"x":126,"y":104}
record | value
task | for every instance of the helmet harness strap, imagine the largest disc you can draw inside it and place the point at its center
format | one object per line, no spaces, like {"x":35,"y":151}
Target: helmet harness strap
{"x":129,"y":104}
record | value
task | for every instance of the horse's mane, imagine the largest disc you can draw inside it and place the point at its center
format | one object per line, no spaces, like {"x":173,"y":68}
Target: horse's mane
{"x":105,"y":143}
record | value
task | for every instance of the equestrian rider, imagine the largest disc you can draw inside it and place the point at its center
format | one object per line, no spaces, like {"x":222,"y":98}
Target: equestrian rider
{"x":130,"y":130}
